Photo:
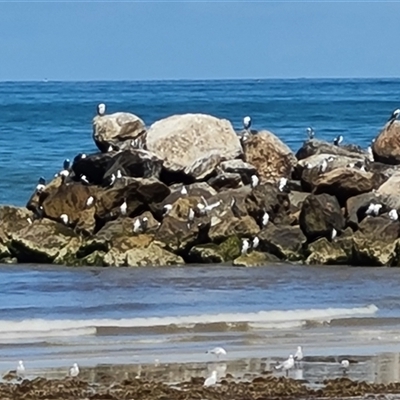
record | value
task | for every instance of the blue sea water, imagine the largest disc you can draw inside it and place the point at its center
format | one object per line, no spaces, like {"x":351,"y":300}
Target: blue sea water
{"x":51,"y":315}
{"x":42,"y":123}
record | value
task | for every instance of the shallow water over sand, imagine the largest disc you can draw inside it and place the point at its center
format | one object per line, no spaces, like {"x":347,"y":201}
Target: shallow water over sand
{"x":52,"y":316}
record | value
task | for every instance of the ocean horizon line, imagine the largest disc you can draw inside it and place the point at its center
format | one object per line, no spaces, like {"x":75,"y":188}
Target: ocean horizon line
{"x":280,"y":79}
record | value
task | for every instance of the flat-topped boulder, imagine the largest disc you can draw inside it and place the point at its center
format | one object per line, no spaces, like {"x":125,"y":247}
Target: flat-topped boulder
{"x":386,"y":147}
{"x":115,"y":128}
{"x":182,"y":140}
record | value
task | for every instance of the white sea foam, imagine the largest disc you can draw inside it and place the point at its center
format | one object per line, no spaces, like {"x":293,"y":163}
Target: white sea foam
{"x":262,"y":319}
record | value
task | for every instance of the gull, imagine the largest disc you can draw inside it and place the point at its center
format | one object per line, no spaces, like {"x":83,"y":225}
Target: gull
{"x":112,"y":179}
{"x":119,"y":174}
{"x":286,"y":365}
{"x":41,"y":185}
{"x":373,"y":209}
{"x":74,"y":370}
{"x":190,"y":218}
{"x":123,"y":208}
{"x":218,"y":351}
{"x":254,"y":181}
{"x":166,"y":209}
{"x":345,"y":365}
{"x":79,"y":157}
{"x":184,"y":191}
{"x":20,"y":369}
{"x":265,"y":219}
{"x":393,"y":215}
{"x":211,"y":380}
{"x":299,"y":354}
{"x":66,"y":165}
{"x":210,"y":207}
{"x":256,"y":242}
{"x":64,"y":219}
{"x":338,"y":140}
{"x":245,"y":246}
{"x":137,"y":226}
{"x":246,"y":123}
{"x":282,"y":184}
{"x":370,"y":153}
{"x":333,"y":234}
{"x":101,"y":109}
{"x":395,"y":115}
{"x":84,"y":180}
{"x":89,"y":201}
{"x":323,"y":165}
{"x":310,"y":133}
{"x":30,"y":222}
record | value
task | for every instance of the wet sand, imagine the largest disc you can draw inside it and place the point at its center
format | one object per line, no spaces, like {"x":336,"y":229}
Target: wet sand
{"x":252,"y":378}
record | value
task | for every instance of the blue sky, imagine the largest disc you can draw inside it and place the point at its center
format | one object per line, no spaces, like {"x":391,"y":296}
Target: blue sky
{"x":198,"y":40}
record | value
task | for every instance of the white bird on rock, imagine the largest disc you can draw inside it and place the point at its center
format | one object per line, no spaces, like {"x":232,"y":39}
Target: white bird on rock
{"x":217,"y":351}
{"x":211,"y":380}
{"x":338,"y":140}
{"x":41,"y":185}
{"x":64,"y":219}
{"x":254,"y":181}
{"x":245,"y":246}
{"x":286,"y":365}
{"x":393,"y":215}
{"x":246,"y":123}
{"x":256,"y":242}
{"x":123,"y":208}
{"x":265,"y":219}
{"x":137,"y":226}
{"x":74,"y":371}
{"x":119,"y":174}
{"x":323,"y":166}
{"x":282,"y":184}
{"x":184,"y":191}
{"x":345,"y":364}
{"x":166,"y":209}
{"x":101,"y":109}
{"x":89,"y":201}
{"x":333,"y":234}
{"x":310,"y":133}
{"x":190,"y":218}
{"x":84,"y":180}
{"x":395,"y":115}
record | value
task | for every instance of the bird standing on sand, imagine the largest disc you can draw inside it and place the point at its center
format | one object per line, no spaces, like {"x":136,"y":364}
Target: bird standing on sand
{"x":20,"y":369}
{"x":74,"y":371}
{"x":286,"y":365}
{"x":211,"y":380}
{"x":299,"y":354}
{"x":217,"y":351}
{"x":101,"y":109}
{"x":246,"y":123}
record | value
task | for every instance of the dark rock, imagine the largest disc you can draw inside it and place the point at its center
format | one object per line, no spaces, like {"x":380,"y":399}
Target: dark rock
{"x":44,"y":242}
{"x":226,"y":225}
{"x":211,"y":253}
{"x":345,"y":183}
{"x":270,"y":156}
{"x":319,"y":215}
{"x":376,"y":242}
{"x":245,"y":170}
{"x":325,"y":252}
{"x":255,"y":259}
{"x":93,"y":166}
{"x":135,"y":164}
{"x":285,"y":242}
{"x":225,"y":181}
{"x":313,"y":147}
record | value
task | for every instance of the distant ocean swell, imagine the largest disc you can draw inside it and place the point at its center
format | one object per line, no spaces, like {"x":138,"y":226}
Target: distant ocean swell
{"x":276,"y":319}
